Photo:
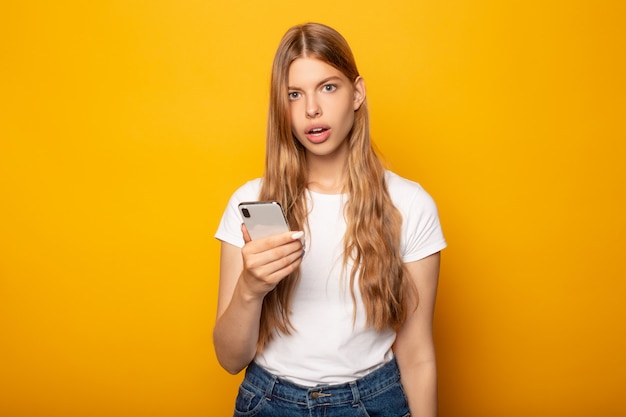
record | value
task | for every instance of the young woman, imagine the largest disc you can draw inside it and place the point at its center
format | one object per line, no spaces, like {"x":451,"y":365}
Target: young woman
{"x":345,"y":327}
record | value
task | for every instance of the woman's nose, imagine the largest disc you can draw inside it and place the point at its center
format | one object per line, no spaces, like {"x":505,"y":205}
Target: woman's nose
{"x":313,"y":109}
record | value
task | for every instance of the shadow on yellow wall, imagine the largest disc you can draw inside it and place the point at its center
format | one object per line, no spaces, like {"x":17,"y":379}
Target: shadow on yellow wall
{"x":125,"y":127}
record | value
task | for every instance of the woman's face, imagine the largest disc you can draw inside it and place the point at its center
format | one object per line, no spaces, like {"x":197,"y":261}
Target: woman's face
{"x":322,"y":102}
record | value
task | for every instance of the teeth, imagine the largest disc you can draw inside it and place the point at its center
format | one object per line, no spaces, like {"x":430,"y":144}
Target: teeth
{"x":316,"y":130}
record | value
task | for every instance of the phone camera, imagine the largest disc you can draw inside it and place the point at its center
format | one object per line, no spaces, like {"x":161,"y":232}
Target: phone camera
{"x":245,"y":212}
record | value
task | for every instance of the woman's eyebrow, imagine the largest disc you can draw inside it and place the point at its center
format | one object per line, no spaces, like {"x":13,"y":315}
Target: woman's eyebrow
{"x":328,"y":79}
{"x":322,"y":82}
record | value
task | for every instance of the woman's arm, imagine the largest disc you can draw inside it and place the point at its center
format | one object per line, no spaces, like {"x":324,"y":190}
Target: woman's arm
{"x":246,"y":276}
{"x":414,"y":347}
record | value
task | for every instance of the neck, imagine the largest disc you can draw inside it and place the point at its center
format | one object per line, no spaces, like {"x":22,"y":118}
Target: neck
{"x":326,"y":173}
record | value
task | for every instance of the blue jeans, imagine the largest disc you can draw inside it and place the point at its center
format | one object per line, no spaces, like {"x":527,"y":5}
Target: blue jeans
{"x":379,"y":394}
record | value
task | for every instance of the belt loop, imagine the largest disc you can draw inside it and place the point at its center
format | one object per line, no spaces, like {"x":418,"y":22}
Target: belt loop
{"x":356,"y":397}
{"x":270,"y":388}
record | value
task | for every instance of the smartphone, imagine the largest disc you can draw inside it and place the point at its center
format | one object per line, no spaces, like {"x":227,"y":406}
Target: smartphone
{"x":263,"y":218}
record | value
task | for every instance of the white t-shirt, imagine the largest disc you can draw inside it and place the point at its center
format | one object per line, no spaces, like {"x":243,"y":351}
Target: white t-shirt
{"x":327,"y":345}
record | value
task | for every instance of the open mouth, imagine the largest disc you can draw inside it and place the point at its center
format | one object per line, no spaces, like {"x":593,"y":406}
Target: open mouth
{"x":316,"y":131}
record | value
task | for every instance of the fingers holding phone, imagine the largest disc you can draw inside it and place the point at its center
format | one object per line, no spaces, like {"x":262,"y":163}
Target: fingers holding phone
{"x":271,"y":252}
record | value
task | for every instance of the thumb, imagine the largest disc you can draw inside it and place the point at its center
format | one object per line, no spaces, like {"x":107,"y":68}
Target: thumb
{"x":246,"y":235}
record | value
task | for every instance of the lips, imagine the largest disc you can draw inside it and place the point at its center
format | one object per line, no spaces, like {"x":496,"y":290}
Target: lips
{"x":317,"y":133}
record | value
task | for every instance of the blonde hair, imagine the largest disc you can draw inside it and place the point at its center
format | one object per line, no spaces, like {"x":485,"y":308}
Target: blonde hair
{"x":372,"y":239}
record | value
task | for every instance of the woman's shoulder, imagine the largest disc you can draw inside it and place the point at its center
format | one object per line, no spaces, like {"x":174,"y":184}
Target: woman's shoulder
{"x":405,"y":192}
{"x":229,"y":229}
{"x":249,"y":191}
{"x":400,"y":185}
{"x":422,"y":233}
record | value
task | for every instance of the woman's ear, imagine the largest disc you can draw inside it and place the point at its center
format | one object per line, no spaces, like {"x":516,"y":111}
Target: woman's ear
{"x":359,"y":92}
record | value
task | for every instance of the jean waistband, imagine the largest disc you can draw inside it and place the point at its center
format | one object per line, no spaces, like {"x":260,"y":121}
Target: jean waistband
{"x":353,"y":391}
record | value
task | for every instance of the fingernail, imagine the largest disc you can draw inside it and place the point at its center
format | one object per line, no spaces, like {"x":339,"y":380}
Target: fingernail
{"x":297,"y":235}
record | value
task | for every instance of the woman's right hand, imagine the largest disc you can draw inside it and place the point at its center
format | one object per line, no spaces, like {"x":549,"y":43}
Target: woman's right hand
{"x":246,"y":275}
{"x":268,"y":261}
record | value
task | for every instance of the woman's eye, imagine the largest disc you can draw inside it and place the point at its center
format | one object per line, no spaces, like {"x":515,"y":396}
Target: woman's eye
{"x":294,"y":95}
{"x":329,"y":87}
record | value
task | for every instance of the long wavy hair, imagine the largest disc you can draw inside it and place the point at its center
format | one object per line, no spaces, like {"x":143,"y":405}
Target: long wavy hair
{"x":372,"y":239}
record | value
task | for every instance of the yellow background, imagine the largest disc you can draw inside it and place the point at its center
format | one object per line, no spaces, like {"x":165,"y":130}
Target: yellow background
{"x":126,"y":125}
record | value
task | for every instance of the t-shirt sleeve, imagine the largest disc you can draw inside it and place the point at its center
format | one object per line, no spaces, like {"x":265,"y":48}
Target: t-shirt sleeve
{"x":422,"y":234}
{"x":229,"y":229}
